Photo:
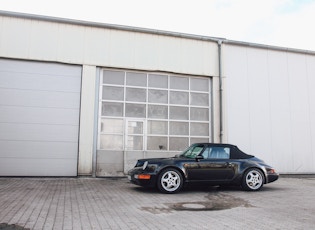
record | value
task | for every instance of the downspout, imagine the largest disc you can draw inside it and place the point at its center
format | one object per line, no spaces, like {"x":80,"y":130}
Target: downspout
{"x":220,"y":89}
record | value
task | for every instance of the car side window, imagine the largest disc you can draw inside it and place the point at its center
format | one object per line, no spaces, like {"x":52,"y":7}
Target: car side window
{"x":219,"y":153}
{"x":206,"y":153}
{"x":197,"y":150}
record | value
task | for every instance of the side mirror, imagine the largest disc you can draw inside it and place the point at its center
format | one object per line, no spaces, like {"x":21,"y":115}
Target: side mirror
{"x":199,"y":157}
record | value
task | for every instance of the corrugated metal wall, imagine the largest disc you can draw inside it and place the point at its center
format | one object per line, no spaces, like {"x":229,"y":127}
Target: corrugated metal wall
{"x":88,"y":45}
{"x":270,"y":105}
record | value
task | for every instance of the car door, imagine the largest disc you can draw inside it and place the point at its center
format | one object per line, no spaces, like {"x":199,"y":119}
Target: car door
{"x":215,"y":165}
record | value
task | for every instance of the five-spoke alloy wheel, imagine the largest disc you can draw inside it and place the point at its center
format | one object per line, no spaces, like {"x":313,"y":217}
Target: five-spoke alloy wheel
{"x":253,"y":180}
{"x":170,"y":181}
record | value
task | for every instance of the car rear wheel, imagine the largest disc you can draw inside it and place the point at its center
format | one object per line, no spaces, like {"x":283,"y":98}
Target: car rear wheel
{"x":253,"y":180}
{"x":170,"y":181}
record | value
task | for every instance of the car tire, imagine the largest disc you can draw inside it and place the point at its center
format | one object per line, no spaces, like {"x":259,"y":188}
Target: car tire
{"x":170,"y":181}
{"x":253,"y":180}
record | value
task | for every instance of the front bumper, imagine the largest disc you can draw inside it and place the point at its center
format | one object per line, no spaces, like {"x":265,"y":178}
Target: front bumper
{"x":142,"y":178}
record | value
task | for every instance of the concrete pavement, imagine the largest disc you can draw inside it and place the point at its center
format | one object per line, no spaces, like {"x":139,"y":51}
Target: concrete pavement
{"x":114,"y":203}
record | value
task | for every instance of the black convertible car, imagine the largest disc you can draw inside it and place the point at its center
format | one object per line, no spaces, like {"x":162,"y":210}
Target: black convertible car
{"x":216,"y":164}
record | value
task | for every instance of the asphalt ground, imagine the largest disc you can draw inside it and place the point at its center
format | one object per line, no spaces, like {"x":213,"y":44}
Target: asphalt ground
{"x":114,"y":203}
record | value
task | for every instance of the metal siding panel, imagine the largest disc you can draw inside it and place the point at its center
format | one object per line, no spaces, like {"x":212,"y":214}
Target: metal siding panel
{"x":237,"y":97}
{"x":44,"y":40}
{"x":311,"y":101}
{"x":37,"y":167}
{"x":259,"y":103}
{"x":36,"y":115}
{"x":14,"y":37}
{"x":97,"y":52}
{"x":52,"y":41}
{"x":38,"y":132}
{"x":146,"y":51}
{"x":121,"y":50}
{"x":280,"y":111}
{"x":39,"y":118}
{"x":41,"y":99}
{"x":72,"y":43}
{"x":300,"y":112}
{"x":269,"y":106}
{"x":61,"y":150}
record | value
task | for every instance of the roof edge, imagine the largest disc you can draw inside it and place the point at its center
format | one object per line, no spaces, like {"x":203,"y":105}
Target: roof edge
{"x":268,"y":47}
{"x":107,"y":26}
{"x":150,"y":31}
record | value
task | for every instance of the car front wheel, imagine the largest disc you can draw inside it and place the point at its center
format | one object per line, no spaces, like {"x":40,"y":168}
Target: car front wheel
{"x":253,"y":180}
{"x":170,"y":181}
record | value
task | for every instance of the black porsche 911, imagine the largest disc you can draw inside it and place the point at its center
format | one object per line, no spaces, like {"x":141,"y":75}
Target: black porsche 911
{"x":216,"y":164}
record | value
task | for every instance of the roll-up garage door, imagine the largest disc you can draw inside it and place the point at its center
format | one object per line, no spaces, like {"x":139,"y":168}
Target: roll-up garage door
{"x":39,"y":118}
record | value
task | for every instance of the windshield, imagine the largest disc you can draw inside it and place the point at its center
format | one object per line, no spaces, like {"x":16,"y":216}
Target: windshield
{"x":193,"y":151}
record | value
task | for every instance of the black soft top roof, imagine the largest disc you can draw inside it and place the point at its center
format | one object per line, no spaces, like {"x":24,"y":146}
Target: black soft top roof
{"x":235,"y":152}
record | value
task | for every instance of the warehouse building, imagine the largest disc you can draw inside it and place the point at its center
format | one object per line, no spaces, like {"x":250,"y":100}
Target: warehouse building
{"x":84,"y":98}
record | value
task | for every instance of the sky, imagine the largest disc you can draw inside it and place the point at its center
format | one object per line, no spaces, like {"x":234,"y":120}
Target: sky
{"x":284,"y":23}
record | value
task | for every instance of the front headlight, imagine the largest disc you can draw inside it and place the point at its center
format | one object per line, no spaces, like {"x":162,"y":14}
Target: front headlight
{"x":145,"y":165}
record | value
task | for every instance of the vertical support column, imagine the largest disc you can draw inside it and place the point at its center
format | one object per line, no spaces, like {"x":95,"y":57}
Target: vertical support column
{"x":86,"y":137}
{"x":215,"y":109}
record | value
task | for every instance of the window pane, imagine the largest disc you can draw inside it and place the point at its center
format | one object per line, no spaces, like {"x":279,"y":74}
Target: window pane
{"x":112,"y":125}
{"x":157,"y":111}
{"x":134,"y":143}
{"x":219,"y":153}
{"x":158,"y":96}
{"x":179,"y":128}
{"x":178,"y":143}
{"x":157,"y":127}
{"x":157,"y":143}
{"x":113,"y":93}
{"x":179,"y":82}
{"x":113,"y":142}
{"x":136,"y":79}
{"x":135,"y":127}
{"x":180,"y":98}
{"x":199,"y":114}
{"x":158,"y":81}
{"x":199,"y":129}
{"x":179,"y":113}
{"x":199,"y":99}
{"x":112,"y":109}
{"x":199,"y":84}
{"x":136,"y":95}
{"x":113,"y":77}
{"x":135,"y":110}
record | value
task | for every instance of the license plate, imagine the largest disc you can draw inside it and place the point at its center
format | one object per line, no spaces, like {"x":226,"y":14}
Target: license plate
{"x":129,"y":177}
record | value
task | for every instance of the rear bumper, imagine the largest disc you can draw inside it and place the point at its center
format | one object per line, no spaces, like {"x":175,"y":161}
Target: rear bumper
{"x":272,"y":177}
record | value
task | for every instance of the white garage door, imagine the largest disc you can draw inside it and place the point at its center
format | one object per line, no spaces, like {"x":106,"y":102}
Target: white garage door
{"x":39,"y":118}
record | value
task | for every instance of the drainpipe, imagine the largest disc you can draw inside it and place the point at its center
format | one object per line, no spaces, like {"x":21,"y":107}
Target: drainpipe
{"x":220,"y":89}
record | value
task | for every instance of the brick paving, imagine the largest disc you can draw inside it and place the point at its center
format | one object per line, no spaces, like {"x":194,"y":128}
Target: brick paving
{"x":114,"y":203}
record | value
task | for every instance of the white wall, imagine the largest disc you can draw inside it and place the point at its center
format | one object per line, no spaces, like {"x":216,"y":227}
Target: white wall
{"x":77,"y":44}
{"x":270,"y":105}
{"x":90,"y":46}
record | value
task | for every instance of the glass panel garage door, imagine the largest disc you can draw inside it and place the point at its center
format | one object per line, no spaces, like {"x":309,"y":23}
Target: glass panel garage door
{"x":176,"y":109}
